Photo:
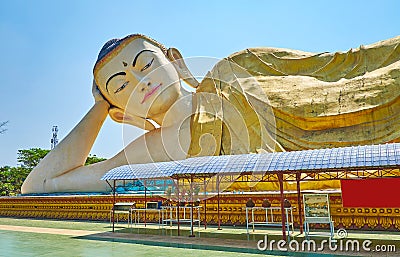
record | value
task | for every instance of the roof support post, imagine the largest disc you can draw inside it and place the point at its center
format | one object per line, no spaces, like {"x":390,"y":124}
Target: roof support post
{"x":298,"y":177}
{"x":145,"y":202}
{"x":191,"y":206}
{"x":179,"y":203}
{"x":280,"y":178}
{"x":219,"y":217}
{"x":113,"y":207}
{"x":205,"y":204}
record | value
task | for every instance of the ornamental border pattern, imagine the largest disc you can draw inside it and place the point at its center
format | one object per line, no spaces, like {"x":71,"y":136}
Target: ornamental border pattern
{"x":232,"y":210}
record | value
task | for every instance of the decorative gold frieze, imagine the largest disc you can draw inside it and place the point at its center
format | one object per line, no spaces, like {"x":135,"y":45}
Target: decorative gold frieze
{"x":232,"y":210}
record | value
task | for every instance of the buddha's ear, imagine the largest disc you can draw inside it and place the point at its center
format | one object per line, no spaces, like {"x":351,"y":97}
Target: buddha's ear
{"x":120,"y":116}
{"x":184,"y":73}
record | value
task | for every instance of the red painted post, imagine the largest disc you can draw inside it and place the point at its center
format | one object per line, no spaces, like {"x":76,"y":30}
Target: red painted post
{"x":191,"y":206}
{"x":113,"y":213}
{"x":298,"y":176}
{"x":145,"y":202}
{"x":280,"y":178}
{"x":179,"y":203}
{"x":205,"y":204}
{"x":219,"y":218}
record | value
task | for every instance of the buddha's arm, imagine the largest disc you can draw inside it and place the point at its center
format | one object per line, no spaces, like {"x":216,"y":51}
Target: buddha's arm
{"x":71,"y":152}
{"x":161,"y":144}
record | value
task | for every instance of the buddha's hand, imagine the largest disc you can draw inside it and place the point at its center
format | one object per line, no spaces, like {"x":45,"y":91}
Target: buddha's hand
{"x":98,"y":96}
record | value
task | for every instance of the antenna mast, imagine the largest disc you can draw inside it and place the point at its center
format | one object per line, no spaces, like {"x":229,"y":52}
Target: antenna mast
{"x":54,"y":139}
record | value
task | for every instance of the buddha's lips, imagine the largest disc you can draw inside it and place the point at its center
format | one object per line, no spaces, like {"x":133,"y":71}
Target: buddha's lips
{"x":150,"y":93}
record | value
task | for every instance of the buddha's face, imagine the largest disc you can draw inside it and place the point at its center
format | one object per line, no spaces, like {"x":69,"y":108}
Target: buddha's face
{"x":139,"y":79}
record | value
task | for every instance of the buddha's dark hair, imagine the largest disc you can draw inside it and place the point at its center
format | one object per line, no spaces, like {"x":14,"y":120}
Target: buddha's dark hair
{"x":115,"y":42}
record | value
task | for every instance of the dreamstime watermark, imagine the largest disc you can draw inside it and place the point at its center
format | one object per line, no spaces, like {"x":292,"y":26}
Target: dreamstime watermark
{"x":340,"y":244}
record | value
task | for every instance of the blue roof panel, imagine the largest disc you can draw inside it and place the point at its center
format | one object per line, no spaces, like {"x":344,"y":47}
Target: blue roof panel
{"x":335,"y":158}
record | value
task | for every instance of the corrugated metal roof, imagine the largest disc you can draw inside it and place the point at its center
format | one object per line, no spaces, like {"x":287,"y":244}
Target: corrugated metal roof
{"x":362,"y":157}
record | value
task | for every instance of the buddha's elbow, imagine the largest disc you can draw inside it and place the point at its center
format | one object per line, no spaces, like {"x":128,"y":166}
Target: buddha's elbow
{"x":33,"y":184}
{"x":26,"y":187}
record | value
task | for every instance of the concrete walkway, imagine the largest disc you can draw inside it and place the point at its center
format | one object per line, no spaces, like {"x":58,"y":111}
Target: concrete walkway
{"x":234,"y":240}
{"x":54,"y":231}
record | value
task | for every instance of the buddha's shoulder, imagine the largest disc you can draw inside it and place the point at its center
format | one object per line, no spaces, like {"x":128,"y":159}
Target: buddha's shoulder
{"x":273,"y":51}
{"x":390,"y":44}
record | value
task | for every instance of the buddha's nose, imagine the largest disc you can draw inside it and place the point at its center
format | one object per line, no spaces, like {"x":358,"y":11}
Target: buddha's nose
{"x":133,"y":77}
{"x":144,"y":85}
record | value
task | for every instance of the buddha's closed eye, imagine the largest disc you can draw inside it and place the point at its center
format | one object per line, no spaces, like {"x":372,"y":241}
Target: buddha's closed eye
{"x":147,"y":65}
{"x":121,"y":87}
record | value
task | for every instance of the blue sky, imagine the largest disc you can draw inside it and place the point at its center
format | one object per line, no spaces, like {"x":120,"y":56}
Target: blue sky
{"x":48,"y":49}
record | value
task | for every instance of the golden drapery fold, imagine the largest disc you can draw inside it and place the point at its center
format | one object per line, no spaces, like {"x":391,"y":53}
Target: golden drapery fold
{"x":306,"y":100}
{"x":279,"y":99}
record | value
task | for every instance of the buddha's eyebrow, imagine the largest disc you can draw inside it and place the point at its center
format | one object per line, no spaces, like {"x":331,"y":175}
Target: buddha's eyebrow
{"x":134,"y":60}
{"x":116,"y":74}
{"x":133,"y":64}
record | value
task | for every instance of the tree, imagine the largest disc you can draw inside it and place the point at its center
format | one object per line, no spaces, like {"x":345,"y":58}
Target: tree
{"x":31,"y":157}
{"x":93,"y":159}
{"x":11,"y":180}
{"x":2,"y":125}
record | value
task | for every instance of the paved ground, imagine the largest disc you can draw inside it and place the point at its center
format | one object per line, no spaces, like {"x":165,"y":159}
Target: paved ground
{"x":54,"y":231}
{"x":33,"y":237}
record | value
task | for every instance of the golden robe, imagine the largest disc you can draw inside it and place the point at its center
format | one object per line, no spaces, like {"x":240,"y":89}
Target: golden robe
{"x":282,"y":100}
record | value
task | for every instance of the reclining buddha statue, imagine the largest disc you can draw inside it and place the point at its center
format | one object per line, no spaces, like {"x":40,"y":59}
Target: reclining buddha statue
{"x":253,"y":101}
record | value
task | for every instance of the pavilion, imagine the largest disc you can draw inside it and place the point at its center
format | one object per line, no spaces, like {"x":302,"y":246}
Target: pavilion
{"x":345,"y":163}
